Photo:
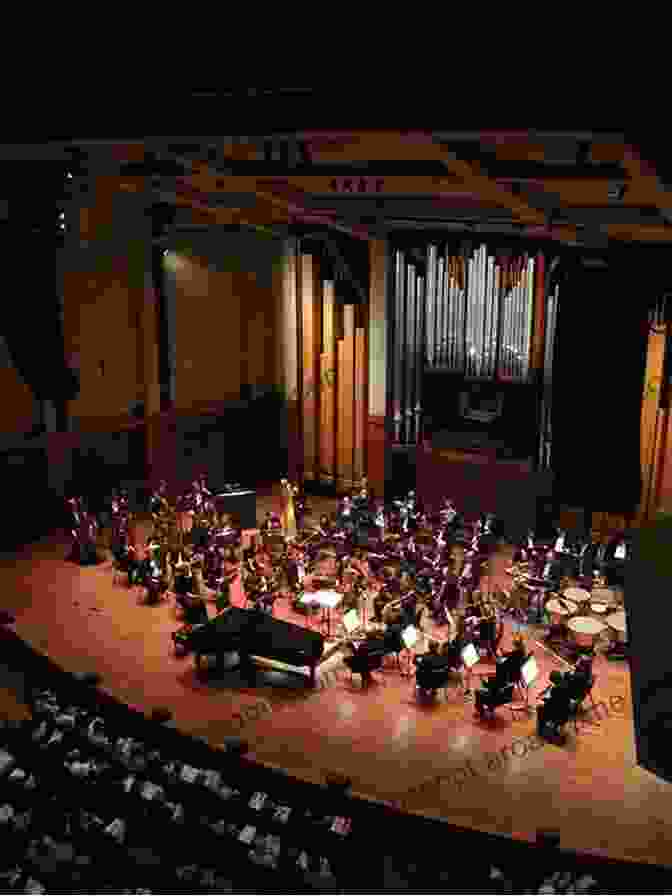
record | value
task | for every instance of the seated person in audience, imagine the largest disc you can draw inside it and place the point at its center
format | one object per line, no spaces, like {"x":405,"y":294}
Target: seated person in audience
{"x":555,"y":710}
{"x":498,"y":688}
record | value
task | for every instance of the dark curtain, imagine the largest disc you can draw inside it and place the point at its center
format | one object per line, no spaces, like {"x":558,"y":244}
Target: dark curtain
{"x":31,"y":323}
{"x":598,"y":378}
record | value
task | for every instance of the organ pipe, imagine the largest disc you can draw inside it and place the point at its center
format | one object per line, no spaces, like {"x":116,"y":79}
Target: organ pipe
{"x":472,"y":311}
{"x":442,"y":310}
{"x":399,"y":332}
{"x":410,"y":339}
{"x":430,"y":304}
{"x":530,"y":316}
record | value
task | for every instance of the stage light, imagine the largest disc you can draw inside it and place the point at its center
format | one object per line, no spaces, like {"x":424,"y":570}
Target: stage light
{"x":69,"y":175}
{"x":62,"y":215}
{"x":165,"y":252}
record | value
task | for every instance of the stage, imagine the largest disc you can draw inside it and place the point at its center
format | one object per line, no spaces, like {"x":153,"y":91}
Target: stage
{"x":433,"y":759}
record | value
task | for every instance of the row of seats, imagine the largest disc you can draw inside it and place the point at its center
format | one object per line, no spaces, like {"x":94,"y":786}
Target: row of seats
{"x":96,"y":798}
{"x":85,"y":799}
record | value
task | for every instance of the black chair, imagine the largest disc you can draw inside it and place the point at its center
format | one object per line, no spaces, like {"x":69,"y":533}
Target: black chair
{"x":365,"y":662}
{"x":430,"y":679}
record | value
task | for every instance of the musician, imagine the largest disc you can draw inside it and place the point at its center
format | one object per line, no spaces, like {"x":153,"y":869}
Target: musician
{"x":487,"y":630}
{"x":183,"y":579}
{"x":432,"y":661}
{"x":158,"y":502}
{"x":588,"y":556}
{"x":195,"y":609}
{"x":581,"y":678}
{"x":362,"y":658}
{"x":295,"y":568}
{"x":555,"y":710}
{"x":615,"y":556}
{"x":498,"y":688}
{"x":552,"y":571}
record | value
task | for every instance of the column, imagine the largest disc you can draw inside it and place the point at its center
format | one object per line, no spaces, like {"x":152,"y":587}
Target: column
{"x":377,"y":444}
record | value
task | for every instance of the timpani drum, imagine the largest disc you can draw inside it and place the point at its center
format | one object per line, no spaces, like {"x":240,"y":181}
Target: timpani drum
{"x":578,"y":596}
{"x":618,"y":626}
{"x":599,"y":610}
{"x":604,"y":596}
{"x":558,"y":613}
{"x":585,"y":630}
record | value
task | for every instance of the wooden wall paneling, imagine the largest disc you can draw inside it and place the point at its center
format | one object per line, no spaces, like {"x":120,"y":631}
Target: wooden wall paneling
{"x":361,"y":414}
{"x":328,"y":402}
{"x":341,"y":405}
{"x":311,"y":338}
{"x":377,"y":448}
{"x":348,"y":395}
{"x":650,"y":421}
{"x":327,"y":415}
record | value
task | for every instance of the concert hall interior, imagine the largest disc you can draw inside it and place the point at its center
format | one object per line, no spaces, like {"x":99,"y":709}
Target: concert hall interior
{"x":337,"y":473}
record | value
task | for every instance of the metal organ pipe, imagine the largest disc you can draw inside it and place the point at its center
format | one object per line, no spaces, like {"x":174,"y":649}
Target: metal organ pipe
{"x":410,"y":348}
{"x":455,"y":331}
{"x":505,"y":335}
{"x":399,"y":334}
{"x":530,"y":311}
{"x":430,"y":305}
{"x":484,"y":328}
{"x":419,"y":355}
{"x":519,"y":291}
{"x":481,"y":311}
{"x":440,"y":309}
{"x":453,"y":315}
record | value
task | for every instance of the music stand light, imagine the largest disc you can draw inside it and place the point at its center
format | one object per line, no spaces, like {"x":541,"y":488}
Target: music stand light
{"x":351,"y":621}
{"x":409,"y":636}
{"x":530,"y":671}
{"x":470,"y":656}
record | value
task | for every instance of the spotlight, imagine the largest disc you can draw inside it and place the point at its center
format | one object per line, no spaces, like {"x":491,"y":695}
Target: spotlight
{"x":62,"y":215}
{"x":69,"y":175}
{"x":165,"y":252}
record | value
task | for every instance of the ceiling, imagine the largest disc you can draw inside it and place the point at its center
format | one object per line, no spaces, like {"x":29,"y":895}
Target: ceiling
{"x":578,"y":188}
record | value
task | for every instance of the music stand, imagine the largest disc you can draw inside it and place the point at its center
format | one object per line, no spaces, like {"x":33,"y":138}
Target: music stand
{"x":409,"y":636}
{"x":529,"y":673}
{"x":469,"y":657}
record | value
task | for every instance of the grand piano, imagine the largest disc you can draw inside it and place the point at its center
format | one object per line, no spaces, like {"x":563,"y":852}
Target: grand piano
{"x":253,"y":633}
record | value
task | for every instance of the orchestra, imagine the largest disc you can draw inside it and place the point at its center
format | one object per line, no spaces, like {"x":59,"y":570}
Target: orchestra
{"x":414,"y":579}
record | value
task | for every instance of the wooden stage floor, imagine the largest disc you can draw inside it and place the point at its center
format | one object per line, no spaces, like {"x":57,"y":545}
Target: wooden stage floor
{"x":388,"y":744}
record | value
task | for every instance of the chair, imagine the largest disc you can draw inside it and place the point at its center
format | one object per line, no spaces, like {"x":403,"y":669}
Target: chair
{"x":433,"y":679}
{"x":368,"y":662}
